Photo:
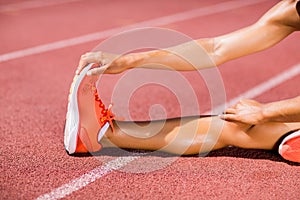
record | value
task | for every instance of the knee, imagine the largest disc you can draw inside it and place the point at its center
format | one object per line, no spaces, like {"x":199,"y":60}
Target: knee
{"x":235,"y":134}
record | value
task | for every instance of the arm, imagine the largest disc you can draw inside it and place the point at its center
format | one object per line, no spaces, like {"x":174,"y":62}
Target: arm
{"x":252,"y":112}
{"x":275,"y":25}
{"x":279,"y":22}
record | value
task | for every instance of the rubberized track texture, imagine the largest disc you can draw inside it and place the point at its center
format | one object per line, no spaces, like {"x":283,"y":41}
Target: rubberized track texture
{"x":41,"y":43}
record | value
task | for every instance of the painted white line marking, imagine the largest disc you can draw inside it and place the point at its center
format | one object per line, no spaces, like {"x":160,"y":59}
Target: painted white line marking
{"x":120,"y":162}
{"x":203,"y":11}
{"x":32,"y":4}
{"x":87,"y":178}
{"x":262,"y":88}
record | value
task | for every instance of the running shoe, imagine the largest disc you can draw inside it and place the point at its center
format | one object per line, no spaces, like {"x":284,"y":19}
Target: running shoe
{"x":289,"y":148}
{"x":87,"y":118}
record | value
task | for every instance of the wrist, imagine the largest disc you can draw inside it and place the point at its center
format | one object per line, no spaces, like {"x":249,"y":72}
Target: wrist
{"x":268,"y":113}
{"x":265,"y":115}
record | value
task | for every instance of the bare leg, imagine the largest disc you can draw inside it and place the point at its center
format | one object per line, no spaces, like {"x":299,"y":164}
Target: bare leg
{"x":193,"y":135}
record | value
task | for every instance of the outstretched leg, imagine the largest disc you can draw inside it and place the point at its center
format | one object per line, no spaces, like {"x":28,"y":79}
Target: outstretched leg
{"x":88,"y":120}
{"x":193,"y":135}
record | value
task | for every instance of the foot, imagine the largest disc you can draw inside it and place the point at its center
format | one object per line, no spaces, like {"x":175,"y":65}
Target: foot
{"x":289,"y":148}
{"x":87,"y":118}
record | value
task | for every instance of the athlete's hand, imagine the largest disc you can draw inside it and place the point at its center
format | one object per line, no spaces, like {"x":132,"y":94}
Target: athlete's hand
{"x":98,"y":58}
{"x":246,"y":111}
{"x":107,"y":63}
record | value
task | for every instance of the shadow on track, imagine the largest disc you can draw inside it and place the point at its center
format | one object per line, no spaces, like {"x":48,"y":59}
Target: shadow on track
{"x":225,"y":152}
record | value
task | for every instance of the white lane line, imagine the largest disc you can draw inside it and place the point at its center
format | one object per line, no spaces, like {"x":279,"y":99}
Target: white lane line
{"x":262,"y":88}
{"x":31,"y":4}
{"x":85,"y":179}
{"x":203,"y":11}
{"x":120,"y":162}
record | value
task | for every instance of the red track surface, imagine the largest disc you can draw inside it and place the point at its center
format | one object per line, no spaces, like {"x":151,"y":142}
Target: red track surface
{"x":33,"y":98}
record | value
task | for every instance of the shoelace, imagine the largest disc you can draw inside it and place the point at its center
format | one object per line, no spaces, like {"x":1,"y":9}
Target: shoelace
{"x":107,"y":115}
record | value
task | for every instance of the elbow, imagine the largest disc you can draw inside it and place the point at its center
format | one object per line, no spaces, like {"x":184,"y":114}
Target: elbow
{"x":219,"y":53}
{"x":213,"y":48}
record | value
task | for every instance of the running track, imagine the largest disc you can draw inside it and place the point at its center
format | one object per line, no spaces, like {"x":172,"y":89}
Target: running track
{"x":41,"y":42}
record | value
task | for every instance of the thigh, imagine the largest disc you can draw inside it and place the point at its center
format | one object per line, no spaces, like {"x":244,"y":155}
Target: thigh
{"x":265,"y":136}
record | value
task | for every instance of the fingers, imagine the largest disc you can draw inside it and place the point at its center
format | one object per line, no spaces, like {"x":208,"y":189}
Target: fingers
{"x":237,"y":107}
{"x":230,"y":111}
{"x":231,"y":114}
{"x":229,"y":117}
{"x":106,"y":61}
{"x":90,"y":57}
{"x":97,"y":71}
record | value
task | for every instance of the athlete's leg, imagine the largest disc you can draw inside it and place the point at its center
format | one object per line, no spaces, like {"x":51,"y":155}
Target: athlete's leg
{"x":192,"y":135}
{"x":264,"y":136}
{"x":189,"y":135}
{"x":87,"y":121}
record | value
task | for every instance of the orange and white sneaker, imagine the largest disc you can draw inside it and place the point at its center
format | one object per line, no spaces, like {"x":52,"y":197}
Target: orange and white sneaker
{"x":87,"y":118}
{"x":289,"y":148}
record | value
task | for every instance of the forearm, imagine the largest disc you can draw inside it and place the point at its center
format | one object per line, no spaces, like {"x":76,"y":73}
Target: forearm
{"x":282,"y":111}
